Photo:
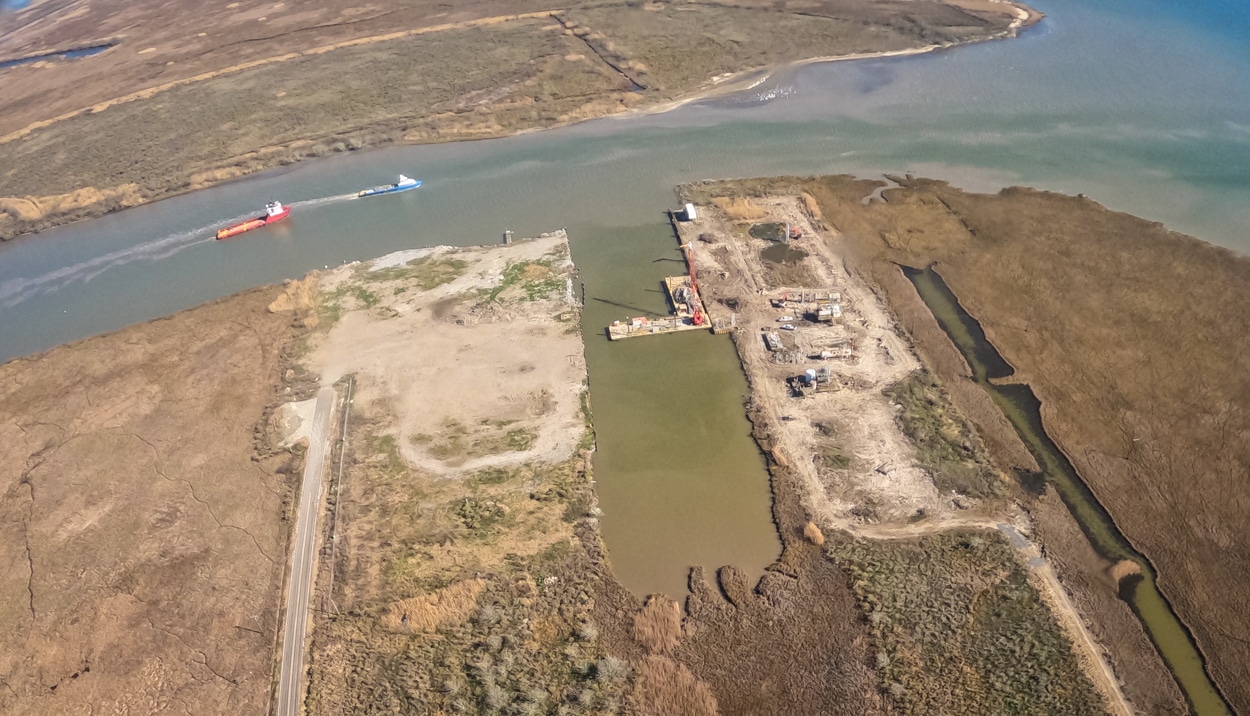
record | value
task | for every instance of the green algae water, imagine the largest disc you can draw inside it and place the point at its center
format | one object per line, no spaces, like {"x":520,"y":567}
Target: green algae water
{"x":1023,"y":409}
{"x":679,"y":478}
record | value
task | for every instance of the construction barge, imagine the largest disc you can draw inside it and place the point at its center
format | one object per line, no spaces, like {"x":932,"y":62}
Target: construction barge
{"x":688,"y":312}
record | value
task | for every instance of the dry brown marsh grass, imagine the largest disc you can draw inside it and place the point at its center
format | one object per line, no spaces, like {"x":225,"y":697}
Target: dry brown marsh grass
{"x":666,"y":688}
{"x":813,"y":534}
{"x":428,"y":612}
{"x":657,"y":626}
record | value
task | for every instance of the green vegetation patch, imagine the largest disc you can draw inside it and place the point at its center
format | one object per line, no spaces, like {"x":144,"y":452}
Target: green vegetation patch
{"x":770,"y":231}
{"x":348,"y":297}
{"x":832,"y":457}
{"x":430,"y":272}
{"x":944,"y":442}
{"x":959,"y":630}
{"x":426,"y":273}
{"x":531,"y":281}
{"x":490,"y":438}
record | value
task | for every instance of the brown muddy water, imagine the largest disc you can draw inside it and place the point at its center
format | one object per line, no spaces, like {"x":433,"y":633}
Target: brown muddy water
{"x":680,"y":480}
{"x":783,"y":253}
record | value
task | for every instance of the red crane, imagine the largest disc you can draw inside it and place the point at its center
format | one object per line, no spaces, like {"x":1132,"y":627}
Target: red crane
{"x":696,"y":309}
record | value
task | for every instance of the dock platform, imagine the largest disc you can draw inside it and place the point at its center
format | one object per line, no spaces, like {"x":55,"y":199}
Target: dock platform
{"x":688,"y":310}
{"x":643,"y":326}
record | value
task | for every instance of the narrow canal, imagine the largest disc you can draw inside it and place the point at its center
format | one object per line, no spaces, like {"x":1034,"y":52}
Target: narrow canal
{"x":680,"y":480}
{"x":1023,"y":409}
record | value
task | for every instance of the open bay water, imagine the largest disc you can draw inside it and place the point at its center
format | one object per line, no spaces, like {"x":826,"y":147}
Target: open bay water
{"x":1143,"y":106}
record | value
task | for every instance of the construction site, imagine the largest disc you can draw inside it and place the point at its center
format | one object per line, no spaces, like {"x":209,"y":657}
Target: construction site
{"x":838,"y":392}
{"x":687,"y":310}
{"x":820,"y":353}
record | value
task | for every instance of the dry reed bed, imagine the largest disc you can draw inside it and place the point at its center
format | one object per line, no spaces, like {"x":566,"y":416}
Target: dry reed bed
{"x":959,"y":629}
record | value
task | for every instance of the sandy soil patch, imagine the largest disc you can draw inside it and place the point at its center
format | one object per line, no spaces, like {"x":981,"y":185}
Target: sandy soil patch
{"x":484,"y":369}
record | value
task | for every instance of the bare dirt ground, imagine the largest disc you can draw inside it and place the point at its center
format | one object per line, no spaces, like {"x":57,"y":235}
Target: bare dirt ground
{"x":143,"y":519}
{"x":880,"y":479}
{"x":458,"y":374}
{"x":845,"y":440}
{"x":224,"y":92}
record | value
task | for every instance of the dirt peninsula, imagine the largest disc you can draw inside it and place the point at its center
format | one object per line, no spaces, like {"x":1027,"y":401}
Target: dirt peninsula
{"x":1130,"y":337}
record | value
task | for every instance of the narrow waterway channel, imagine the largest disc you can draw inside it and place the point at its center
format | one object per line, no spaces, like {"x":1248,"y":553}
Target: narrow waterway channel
{"x":1023,"y":409}
{"x":679,"y":478}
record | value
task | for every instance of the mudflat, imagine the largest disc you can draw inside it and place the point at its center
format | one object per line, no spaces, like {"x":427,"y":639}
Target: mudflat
{"x":209,"y":94}
{"x":143,"y":517}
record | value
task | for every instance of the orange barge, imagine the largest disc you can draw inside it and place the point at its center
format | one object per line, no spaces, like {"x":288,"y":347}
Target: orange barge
{"x":274,"y":212}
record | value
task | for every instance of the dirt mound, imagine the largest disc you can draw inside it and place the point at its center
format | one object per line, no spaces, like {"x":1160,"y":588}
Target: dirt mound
{"x":297,"y":296}
{"x":20,"y":209}
{"x":1124,"y":568}
{"x":740,"y":208}
{"x":426,"y":613}
{"x":812,"y":207}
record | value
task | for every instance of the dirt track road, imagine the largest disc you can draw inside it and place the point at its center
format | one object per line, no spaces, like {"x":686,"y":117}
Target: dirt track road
{"x":291,"y":678}
{"x":1070,"y":619}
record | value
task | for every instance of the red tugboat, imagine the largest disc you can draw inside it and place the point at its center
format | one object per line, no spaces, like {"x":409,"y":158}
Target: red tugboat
{"x":274,"y":212}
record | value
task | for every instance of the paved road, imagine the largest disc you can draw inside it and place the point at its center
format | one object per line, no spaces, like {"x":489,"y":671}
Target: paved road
{"x":291,"y":676}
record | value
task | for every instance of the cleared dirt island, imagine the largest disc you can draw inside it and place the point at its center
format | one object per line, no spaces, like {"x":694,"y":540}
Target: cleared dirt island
{"x":193,"y":94}
{"x":1131,"y":337}
{"x":965,"y":616}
